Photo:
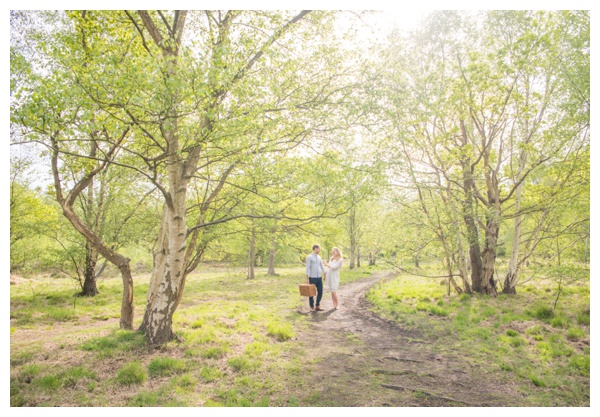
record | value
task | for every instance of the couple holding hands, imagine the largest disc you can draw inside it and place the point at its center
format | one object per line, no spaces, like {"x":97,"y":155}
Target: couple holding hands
{"x":314,"y":268}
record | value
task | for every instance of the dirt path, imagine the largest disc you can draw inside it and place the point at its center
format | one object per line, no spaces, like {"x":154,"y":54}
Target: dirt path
{"x":364,"y":360}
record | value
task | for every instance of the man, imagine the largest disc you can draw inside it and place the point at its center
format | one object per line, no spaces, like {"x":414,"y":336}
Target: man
{"x":314,"y":268}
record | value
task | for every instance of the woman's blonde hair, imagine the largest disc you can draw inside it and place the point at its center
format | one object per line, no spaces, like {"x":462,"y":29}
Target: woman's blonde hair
{"x":339,"y":251}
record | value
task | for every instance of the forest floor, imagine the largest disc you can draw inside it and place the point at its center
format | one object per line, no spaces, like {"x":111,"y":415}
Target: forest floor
{"x":365,"y":360}
{"x":256,"y":343}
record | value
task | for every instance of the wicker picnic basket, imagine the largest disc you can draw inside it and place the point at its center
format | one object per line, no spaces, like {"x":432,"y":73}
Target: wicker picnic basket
{"x":308,"y":290}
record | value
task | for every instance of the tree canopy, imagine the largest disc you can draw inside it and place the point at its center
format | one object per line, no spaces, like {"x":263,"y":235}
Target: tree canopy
{"x":238,"y":135}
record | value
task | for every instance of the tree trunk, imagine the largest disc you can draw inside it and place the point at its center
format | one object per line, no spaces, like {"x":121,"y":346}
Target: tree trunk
{"x":352,"y":229}
{"x":127,"y":300}
{"x":89,"y":288}
{"x":251,"y":255}
{"x":271,"y":270}
{"x":510,"y":282}
{"x":172,"y":240}
{"x":115,"y":258}
{"x":509,"y":288}
{"x":448,"y":261}
{"x":160,"y":263}
{"x":462,"y":264}
{"x":488,"y":284}
{"x":158,"y":325}
{"x":358,"y":258}
{"x":462,"y":259}
{"x":469,"y":216}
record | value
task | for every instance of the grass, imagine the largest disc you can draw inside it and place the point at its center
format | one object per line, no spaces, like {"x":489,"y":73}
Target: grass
{"x":233,"y":336}
{"x":237,"y":341}
{"x":165,"y":366}
{"x":132,"y":374}
{"x":240,"y":363}
{"x":118,"y":341}
{"x":543,"y":312}
{"x":281,"y":331}
{"x":522,"y":335}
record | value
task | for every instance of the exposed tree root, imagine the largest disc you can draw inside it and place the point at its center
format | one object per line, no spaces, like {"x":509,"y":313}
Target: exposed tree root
{"x":396,"y":358}
{"x":403,"y":372}
{"x":387,"y":372}
{"x":401,"y":388}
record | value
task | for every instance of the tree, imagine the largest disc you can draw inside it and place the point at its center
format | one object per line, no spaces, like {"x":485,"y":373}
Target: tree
{"x":31,"y":217}
{"x":173,"y":95}
{"x":477,"y":110}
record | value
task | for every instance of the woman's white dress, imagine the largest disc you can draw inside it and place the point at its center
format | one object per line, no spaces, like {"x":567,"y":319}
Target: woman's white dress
{"x":333,"y":275}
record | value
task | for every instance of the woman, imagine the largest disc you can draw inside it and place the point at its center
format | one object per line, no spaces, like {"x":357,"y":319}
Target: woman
{"x":332,"y":278}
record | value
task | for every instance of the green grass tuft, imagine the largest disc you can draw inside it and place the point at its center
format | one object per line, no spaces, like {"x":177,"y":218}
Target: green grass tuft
{"x":537,"y":381}
{"x":581,"y":363}
{"x":61,"y":314}
{"x":240,"y":363}
{"x":281,"y":331}
{"x":198,"y":323}
{"x":534,"y":330}
{"x":210,"y":374}
{"x":437,"y":311}
{"x":49,"y":382}
{"x":517,"y":341}
{"x":256,"y":348}
{"x":558,"y":322}
{"x":72,"y":376}
{"x":186,"y":381}
{"x":132,"y":373}
{"x":575,"y":334}
{"x":213,"y":352}
{"x":145,"y":399}
{"x":118,"y":341}
{"x":166,"y":366}
{"x":28,"y":372}
{"x":583,"y":317}
{"x":543,"y":313}
{"x":422,"y":306}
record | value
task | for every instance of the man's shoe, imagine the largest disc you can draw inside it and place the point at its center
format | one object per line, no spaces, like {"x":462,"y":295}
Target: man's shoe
{"x":319,"y":309}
